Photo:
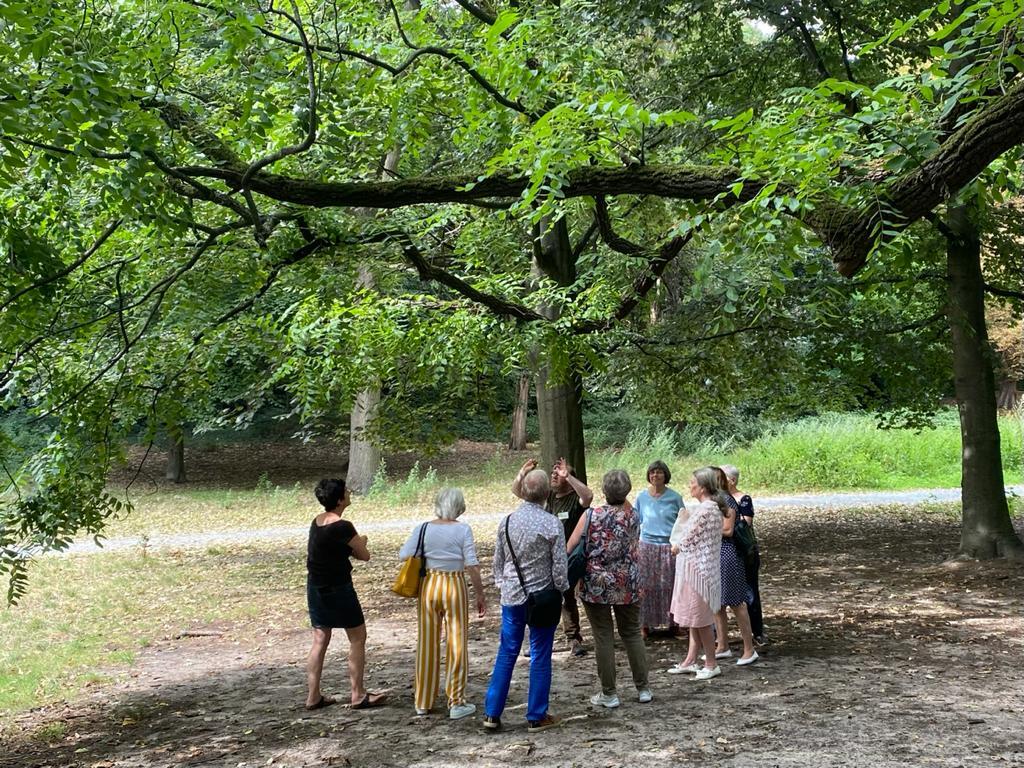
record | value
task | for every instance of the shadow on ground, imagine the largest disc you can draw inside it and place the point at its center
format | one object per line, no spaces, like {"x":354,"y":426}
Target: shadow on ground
{"x":882,"y":654}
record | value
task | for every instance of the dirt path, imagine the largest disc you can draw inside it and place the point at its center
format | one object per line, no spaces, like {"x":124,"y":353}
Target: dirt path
{"x":882,"y":655}
{"x":827,"y":500}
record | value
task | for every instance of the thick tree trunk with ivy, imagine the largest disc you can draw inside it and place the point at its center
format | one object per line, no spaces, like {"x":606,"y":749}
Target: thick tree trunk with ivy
{"x":517,"y":438}
{"x":559,"y":403}
{"x":987,"y":531}
{"x":176,"y":455}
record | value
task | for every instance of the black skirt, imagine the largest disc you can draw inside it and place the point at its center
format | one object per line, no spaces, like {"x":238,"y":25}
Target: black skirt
{"x":334,"y":606}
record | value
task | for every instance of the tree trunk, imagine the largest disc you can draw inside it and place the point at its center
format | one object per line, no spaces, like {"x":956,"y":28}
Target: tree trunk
{"x":560,"y":405}
{"x":560,"y":413}
{"x":363,"y":453}
{"x":1008,"y":395}
{"x":517,"y":440}
{"x":176,"y":455}
{"x":987,"y":531}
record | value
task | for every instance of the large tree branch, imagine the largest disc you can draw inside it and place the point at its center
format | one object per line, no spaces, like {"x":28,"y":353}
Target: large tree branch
{"x":643,"y":283}
{"x":428,"y":271}
{"x":850,"y":233}
{"x":1006,"y":293}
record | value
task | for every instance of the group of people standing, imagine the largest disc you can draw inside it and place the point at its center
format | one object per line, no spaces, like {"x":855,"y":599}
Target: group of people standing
{"x":654,"y":565}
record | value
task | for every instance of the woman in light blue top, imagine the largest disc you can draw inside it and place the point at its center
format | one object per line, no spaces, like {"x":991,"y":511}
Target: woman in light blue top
{"x":658,"y":508}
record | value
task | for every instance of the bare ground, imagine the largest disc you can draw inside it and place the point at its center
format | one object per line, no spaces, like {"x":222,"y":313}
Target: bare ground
{"x":286,"y":462}
{"x":883,"y":654}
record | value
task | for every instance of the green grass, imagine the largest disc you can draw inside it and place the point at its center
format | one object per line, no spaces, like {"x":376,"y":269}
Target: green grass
{"x":86,"y":616}
{"x":833,"y":452}
{"x":839,"y":452}
{"x":850,"y":452}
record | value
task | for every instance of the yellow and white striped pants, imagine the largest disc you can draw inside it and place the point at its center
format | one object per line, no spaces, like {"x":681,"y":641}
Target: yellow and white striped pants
{"x":443,"y":598}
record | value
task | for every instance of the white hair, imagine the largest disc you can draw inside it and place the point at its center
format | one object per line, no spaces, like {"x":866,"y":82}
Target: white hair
{"x":536,"y":486}
{"x":731,"y":472}
{"x":449,"y":504}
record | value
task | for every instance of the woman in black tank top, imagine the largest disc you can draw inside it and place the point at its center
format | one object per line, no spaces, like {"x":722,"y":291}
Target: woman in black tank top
{"x":331,"y":596}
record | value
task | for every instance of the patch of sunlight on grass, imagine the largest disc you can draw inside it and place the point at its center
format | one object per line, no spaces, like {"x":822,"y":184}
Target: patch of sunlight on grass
{"x":87,"y":615}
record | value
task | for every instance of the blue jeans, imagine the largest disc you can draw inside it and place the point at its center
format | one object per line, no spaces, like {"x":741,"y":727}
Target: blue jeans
{"x":513,"y":625}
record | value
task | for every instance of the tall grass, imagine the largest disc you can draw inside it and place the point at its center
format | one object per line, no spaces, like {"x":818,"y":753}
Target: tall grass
{"x":836,"y":451}
{"x":850,"y":451}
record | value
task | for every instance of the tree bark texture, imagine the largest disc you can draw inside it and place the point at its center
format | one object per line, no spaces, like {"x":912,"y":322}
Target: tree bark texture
{"x":517,"y":439}
{"x":560,"y":413}
{"x":987,"y":531}
{"x":363,"y":453}
{"x":559,"y":405}
{"x":176,"y":456}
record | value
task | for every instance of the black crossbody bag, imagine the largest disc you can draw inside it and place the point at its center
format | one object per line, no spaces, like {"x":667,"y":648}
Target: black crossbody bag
{"x":543,"y":608}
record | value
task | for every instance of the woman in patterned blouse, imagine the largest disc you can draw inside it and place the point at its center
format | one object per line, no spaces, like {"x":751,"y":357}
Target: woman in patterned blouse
{"x":612,"y":583}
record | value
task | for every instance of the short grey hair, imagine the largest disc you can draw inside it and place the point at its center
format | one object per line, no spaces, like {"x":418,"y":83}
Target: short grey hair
{"x":536,"y":486}
{"x":731,"y":472}
{"x":616,"y":486}
{"x":449,"y":504}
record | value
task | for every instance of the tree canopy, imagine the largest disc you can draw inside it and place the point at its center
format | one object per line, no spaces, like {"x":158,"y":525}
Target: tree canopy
{"x":189,"y":189}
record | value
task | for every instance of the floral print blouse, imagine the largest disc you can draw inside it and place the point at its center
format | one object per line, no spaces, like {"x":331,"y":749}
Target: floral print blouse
{"x":612,"y":575}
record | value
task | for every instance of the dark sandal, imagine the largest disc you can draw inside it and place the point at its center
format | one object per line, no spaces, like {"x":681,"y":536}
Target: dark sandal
{"x":325,"y":701}
{"x":369,"y":703}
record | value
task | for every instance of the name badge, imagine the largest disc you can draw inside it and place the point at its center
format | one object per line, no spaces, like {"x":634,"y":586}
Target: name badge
{"x":563,"y":515}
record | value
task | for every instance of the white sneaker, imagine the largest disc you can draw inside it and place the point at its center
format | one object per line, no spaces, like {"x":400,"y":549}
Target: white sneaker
{"x":600,"y":700}
{"x":679,"y":669}
{"x":460,"y":711}
{"x":707,"y":674}
{"x":645,"y":696}
{"x":744,"y":662}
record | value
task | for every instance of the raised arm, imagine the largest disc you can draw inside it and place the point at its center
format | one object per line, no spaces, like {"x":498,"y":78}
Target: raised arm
{"x":585,"y":495}
{"x":517,"y":484}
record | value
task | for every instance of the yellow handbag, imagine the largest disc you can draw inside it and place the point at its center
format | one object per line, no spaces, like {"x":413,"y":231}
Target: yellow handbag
{"x":407,"y":583}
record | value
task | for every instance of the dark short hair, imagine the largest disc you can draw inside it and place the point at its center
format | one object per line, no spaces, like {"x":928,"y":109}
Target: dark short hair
{"x":330,"y":493}
{"x":659,"y":464}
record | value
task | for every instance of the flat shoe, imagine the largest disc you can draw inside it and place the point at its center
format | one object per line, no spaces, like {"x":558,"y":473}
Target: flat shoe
{"x":726,"y":654}
{"x":744,"y":662}
{"x":325,"y":701}
{"x":679,"y":669}
{"x":371,"y":700}
{"x":707,"y":674}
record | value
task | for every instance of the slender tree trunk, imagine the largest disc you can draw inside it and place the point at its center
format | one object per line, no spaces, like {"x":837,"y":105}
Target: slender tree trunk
{"x":559,"y":405}
{"x":176,"y":455}
{"x":363,"y":453}
{"x":987,"y":531}
{"x":517,"y":440}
